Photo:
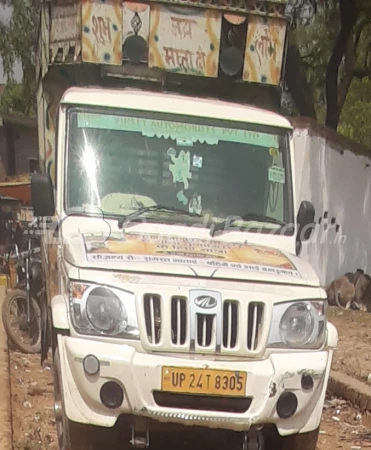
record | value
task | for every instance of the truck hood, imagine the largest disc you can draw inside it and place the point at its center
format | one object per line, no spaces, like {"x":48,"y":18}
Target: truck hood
{"x":179,"y":256}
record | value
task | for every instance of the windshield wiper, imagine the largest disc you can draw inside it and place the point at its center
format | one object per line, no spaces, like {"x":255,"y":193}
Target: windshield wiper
{"x":247,"y":217}
{"x":161,"y":208}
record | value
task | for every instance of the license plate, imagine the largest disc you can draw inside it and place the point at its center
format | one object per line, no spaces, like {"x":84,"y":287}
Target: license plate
{"x":203,"y":381}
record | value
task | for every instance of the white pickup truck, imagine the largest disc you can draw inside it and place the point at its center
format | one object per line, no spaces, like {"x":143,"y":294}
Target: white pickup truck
{"x":179,"y":296}
{"x":175,"y":291}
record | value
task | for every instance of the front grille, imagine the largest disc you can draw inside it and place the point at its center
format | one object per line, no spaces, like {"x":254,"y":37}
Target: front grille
{"x":239,"y":327}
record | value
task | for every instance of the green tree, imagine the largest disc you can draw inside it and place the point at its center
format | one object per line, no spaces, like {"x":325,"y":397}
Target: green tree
{"x":335,"y":57}
{"x":17,"y":43}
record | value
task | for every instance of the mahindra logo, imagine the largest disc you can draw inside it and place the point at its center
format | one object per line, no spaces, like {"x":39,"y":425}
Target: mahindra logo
{"x":205,"y":302}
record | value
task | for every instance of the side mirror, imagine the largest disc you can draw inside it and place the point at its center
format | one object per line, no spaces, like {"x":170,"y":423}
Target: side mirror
{"x":42,"y":195}
{"x":305,"y":221}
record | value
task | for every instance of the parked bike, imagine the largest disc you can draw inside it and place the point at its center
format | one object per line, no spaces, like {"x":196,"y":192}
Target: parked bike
{"x":21,"y":309}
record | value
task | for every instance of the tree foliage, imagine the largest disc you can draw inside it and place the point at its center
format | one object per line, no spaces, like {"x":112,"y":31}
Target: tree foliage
{"x":339,"y":84}
{"x":17,"y":43}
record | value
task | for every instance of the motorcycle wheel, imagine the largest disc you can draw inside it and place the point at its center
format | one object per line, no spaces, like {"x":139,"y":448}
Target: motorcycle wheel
{"x":18,"y":333}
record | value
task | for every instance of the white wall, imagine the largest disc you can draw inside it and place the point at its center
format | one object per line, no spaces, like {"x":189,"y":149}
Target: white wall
{"x":341,"y":185}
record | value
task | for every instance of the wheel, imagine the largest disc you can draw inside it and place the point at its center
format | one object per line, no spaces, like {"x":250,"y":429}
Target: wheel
{"x":303,"y":441}
{"x":15,"y":304}
{"x":71,"y":435}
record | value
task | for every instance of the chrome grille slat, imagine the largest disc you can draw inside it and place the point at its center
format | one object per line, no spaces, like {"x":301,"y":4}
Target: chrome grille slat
{"x":152,"y":315}
{"x":238,"y":328}
{"x":204,"y":331}
{"x":229,"y":337}
{"x":255,"y":313}
{"x":178,"y":319}
{"x":152,"y":312}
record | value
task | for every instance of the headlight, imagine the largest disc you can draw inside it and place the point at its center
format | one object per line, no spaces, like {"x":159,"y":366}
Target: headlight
{"x":103,"y":310}
{"x":298,"y":325}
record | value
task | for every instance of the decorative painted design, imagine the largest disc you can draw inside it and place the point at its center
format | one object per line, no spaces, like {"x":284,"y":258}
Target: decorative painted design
{"x":151,"y":248}
{"x":41,"y":125}
{"x":135,"y":22}
{"x":185,"y":40}
{"x":265,"y":43}
{"x":50,"y":110}
{"x":42,"y":54}
{"x":235,"y":19}
{"x":102,"y":31}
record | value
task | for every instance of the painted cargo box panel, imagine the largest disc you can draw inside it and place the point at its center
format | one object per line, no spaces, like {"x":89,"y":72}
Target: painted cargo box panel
{"x":135,"y":28}
{"x":102,"y":31}
{"x":265,"y":43}
{"x":185,"y":40}
{"x":171,"y":37}
{"x":65,"y":23}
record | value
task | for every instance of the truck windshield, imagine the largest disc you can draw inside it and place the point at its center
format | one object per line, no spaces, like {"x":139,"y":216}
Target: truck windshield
{"x":124,"y":161}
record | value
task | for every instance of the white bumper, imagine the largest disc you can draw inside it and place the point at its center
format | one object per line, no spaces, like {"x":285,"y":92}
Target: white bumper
{"x":140,"y":374}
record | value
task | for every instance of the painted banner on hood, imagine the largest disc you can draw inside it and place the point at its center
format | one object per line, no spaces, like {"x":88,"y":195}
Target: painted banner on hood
{"x":152,"y":248}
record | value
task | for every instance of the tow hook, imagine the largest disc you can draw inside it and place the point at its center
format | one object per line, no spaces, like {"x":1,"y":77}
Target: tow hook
{"x":253,"y":439}
{"x":139,"y":433}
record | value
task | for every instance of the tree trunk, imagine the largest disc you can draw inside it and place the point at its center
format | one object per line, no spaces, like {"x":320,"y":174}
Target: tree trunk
{"x":297,"y":82}
{"x":350,"y":63}
{"x":348,"y":17}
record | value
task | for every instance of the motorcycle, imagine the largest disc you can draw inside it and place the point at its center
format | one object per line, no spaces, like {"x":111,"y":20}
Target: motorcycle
{"x":22,"y":307}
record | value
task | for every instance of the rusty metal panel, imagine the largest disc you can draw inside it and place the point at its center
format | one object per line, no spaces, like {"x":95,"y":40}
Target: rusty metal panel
{"x":65,"y":31}
{"x":275,"y":8}
{"x":265,"y":43}
{"x":135,"y":28}
{"x":102,"y":31}
{"x":65,"y":23}
{"x":185,"y":40}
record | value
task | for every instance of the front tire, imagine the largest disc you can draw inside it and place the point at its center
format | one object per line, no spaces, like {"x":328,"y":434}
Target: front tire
{"x":303,"y":441}
{"x":71,"y":435}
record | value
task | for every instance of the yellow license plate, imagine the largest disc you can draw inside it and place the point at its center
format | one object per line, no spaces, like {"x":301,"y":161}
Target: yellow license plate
{"x":203,"y":381}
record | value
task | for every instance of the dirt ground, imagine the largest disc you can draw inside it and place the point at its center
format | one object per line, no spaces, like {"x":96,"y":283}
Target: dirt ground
{"x":353,"y":356}
{"x":343,"y":427}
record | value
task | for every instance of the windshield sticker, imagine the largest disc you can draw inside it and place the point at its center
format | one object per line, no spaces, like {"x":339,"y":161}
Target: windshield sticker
{"x":274,"y":151}
{"x":181,"y":168}
{"x":276,"y":174}
{"x":195,"y":204}
{"x":196,"y":252}
{"x":176,"y":130}
{"x":197,"y":161}
{"x":171,"y":152}
{"x":181,"y":197}
{"x":184,"y":142}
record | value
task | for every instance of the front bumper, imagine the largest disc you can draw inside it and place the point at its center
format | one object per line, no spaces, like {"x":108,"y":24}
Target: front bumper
{"x":139,"y":374}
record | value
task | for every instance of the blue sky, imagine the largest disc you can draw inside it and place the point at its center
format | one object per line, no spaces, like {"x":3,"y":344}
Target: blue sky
{"x":5,"y":13}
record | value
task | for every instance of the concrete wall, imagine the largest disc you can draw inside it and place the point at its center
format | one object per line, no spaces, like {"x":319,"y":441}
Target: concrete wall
{"x":335,"y":175}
